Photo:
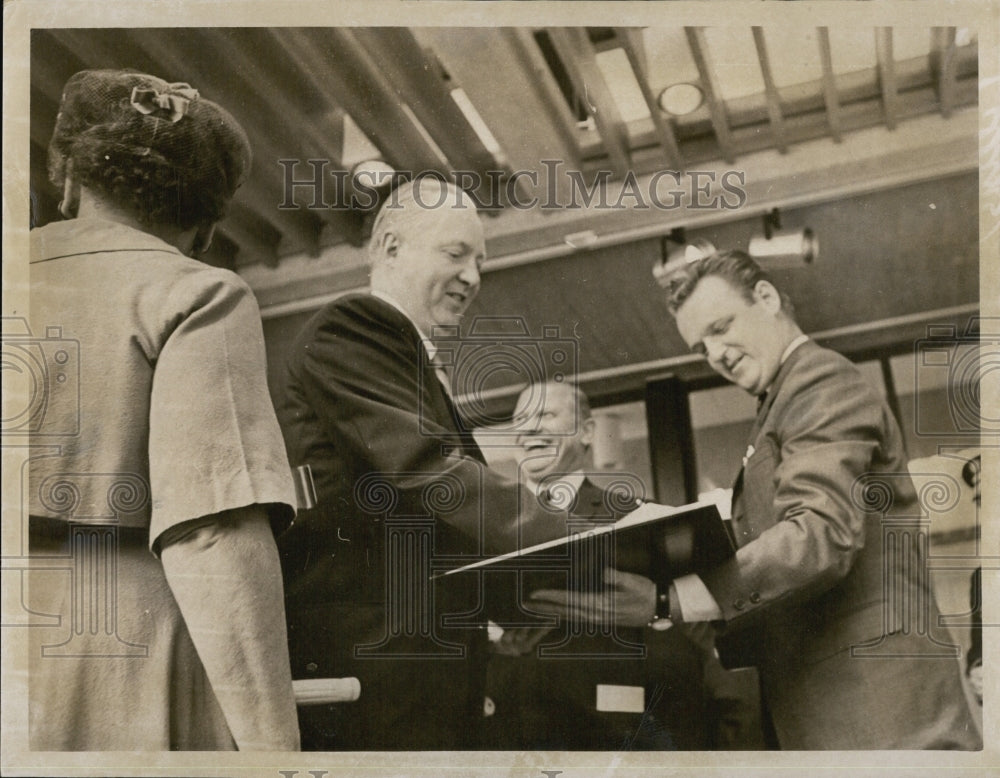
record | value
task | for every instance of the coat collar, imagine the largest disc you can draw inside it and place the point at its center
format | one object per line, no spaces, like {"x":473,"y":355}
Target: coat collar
{"x":803,"y":347}
{"x":91,"y":235}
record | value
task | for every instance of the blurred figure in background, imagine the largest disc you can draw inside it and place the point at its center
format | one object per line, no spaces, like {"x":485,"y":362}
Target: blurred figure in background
{"x":971,"y":474}
{"x":168,"y":495}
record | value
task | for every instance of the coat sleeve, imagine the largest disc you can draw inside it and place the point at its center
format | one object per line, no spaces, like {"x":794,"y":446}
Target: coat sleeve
{"x":214,"y":441}
{"x":828,"y":434}
{"x":364,"y":381}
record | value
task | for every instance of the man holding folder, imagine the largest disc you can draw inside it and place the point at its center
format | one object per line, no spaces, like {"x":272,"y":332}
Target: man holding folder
{"x":809,"y":598}
{"x":401,"y":488}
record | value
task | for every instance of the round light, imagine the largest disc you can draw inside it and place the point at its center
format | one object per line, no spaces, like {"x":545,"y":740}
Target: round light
{"x":373,"y":173}
{"x":681,"y":99}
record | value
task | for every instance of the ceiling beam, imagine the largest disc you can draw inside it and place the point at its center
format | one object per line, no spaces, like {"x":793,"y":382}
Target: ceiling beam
{"x":321,"y":136}
{"x":771,"y":92}
{"x":474,"y":59}
{"x":886,"y":74}
{"x":662,"y":125}
{"x":420,"y":81}
{"x":713,"y":96}
{"x":580,"y":60}
{"x":829,"y":83}
{"x":417,"y":80}
{"x":256,"y":240}
{"x":804,"y":127}
{"x":944,"y":56}
{"x":335,"y":63}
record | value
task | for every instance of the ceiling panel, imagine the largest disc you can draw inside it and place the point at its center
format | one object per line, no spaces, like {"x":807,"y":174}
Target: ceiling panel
{"x":344,"y":95}
{"x":732,"y":52}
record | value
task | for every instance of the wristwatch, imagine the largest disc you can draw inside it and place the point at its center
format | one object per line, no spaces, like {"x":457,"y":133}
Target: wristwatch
{"x":661,"y":615}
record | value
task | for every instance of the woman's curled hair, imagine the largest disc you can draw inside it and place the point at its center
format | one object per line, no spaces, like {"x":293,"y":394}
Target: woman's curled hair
{"x":157,"y":150}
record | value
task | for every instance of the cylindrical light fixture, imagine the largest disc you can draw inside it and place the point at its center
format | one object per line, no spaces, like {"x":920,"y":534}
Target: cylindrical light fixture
{"x":785,"y":248}
{"x":676,"y":251}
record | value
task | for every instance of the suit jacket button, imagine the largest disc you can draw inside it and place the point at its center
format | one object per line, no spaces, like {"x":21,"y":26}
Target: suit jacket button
{"x":312,"y":667}
{"x":739,"y":603}
{"x":754,"y":597}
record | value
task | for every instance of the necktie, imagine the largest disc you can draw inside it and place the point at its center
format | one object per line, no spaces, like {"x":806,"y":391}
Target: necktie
{"x":545,"y":499}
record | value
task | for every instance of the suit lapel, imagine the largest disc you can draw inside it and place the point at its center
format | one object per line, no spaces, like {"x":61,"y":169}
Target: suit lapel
{"x":434,"y":396}
{"x":762,"y":415}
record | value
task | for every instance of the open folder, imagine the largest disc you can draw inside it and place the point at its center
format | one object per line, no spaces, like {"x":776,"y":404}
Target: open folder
{"x":657,"y":541}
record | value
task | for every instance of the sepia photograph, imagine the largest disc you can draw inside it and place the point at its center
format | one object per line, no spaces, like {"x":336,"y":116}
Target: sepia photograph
{"x":418,"y":388}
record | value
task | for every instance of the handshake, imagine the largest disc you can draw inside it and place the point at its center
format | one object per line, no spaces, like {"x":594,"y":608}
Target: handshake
{"x":626,"y":600}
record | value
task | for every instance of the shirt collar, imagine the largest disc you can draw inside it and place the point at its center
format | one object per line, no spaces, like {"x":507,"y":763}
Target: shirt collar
{"x":792,"y":346}
{"x":789,"y":350}
{"x":429,"y":346}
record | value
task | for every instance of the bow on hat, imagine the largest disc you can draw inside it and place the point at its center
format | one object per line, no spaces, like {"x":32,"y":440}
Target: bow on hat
{"x":173,"y":100}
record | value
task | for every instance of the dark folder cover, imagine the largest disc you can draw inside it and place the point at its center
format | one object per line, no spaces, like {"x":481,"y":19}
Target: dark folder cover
{"x":656,"y":541}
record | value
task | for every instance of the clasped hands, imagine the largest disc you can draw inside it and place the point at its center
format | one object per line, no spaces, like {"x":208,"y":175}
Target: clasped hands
{"x":627,"y":600}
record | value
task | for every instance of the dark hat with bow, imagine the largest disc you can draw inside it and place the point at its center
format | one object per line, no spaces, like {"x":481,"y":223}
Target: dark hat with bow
{"x":122,"y":119}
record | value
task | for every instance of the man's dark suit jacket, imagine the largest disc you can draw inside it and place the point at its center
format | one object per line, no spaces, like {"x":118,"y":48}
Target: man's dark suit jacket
{"x":401,"y":485}
{"x":549,"y":702}
{"x":828,"y":592}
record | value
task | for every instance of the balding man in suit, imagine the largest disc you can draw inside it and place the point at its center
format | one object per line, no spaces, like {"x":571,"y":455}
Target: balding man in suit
{"x":401,"y":486}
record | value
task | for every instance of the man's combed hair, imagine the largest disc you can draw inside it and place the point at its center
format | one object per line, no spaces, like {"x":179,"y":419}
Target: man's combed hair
{"x":734,"y":266}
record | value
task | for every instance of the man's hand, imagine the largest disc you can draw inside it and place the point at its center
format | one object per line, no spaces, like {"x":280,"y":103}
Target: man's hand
{"x":518,"y":641}
{"x":628,"y":600}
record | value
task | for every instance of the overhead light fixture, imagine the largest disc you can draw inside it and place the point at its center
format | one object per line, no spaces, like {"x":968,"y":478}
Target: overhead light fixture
{"x":580,"y":240}
{"x":676,"y":251}
{"x":374,"y":174}
{"x":681,"y":99}
{"x":782,"y":249}
{"x":477,"y":123}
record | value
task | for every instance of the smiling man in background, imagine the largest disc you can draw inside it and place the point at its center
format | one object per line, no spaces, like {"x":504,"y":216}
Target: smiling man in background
{"x":596,"y":691}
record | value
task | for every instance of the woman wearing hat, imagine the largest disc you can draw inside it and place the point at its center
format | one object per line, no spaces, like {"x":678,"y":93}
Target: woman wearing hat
{"x":157,"y":482}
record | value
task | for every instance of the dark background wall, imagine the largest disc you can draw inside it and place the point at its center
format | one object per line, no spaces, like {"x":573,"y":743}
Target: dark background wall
{"x":882,"y":254}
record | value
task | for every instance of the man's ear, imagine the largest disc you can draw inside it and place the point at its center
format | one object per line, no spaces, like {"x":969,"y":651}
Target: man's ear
{"x":69,"y":206}
{"x":203,"y":238}
{"x":587,"y":429}
{"x":764,"y":292}
{"x":389,"y":245}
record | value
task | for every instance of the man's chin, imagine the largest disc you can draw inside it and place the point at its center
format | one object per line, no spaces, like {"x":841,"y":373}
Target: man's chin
{"x":537,"y":476}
